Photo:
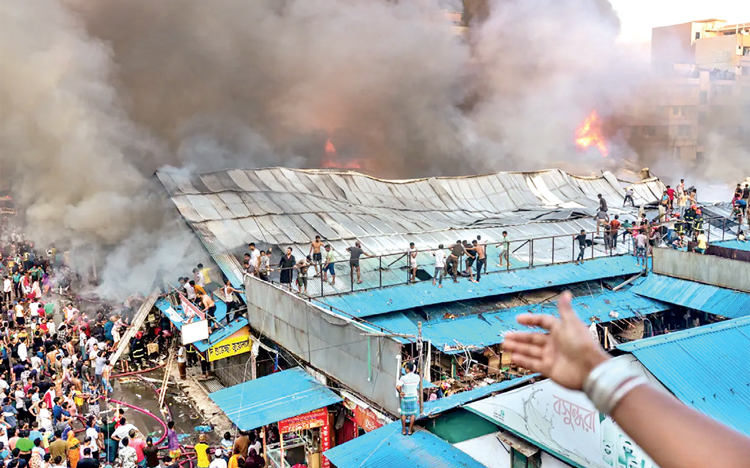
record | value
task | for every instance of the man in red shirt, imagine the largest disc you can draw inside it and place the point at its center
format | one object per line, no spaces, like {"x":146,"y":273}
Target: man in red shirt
{"x":670,"y":194}
{"x":614,"y":227}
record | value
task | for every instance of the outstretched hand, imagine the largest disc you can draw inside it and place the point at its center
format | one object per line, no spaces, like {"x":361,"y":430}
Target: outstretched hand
{"x":565,"y":354}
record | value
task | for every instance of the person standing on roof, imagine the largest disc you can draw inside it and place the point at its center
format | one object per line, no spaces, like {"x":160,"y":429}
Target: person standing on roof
{"x":230,"y":299}
{"x":641,"y":241}
{"x":286,"y":268}
{"x":207,"y":283}
{"x":702,"y":243}
{"x":628,"y":197}
{"x":411,"y":257}
{"x":317,"y":256}
{"x":481,"y":255}
{"x":254,"y":258}
{"x":457,"y":250}
{"x":581,"y":238}
{"x":200,"y":280}
{"x":302,"y":266}
{"x":504,"y":250}
{"x":439,"y":255}
{"x":602,"y":202}
{"x":329,"y":266}
{"x":408,"y":391}
{"x":355,"y":253}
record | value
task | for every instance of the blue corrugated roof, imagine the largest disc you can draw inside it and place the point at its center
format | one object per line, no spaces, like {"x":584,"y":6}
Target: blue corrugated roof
{"x":386,"y":447}
{"x":704,"y":297}
{"x":488,"y":328}
{"x":459,"y":399}
{"x":273,"y":398}
{"x":705,"y":367}
{"x":734,"y":244}
{"x":215,"y":337}
{"x":408,"y":296}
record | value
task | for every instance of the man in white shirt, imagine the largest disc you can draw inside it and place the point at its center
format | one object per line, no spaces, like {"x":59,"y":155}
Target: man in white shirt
{"x":439,"y":266}
{"x":218,"y":461}
{"x":123,"y":431}
{"x":190,"y":290}
{"x":7,"y":288}
{"x":254,"y":258}
{"x":200,"y":280}
{"x":23,"y":353}
{"x":408,"y":390}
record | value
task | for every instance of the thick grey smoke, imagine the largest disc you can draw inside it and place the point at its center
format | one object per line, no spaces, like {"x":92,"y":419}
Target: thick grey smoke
{"x":96,"y":94}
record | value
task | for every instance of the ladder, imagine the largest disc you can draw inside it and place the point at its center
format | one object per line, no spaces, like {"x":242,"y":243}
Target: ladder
{"x":135,"y":325}
{"x":167,"y":372}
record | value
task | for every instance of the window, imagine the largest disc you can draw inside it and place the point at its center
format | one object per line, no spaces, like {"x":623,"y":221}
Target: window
{"x":704,"y":97}
{"x":698,"y":35}
{"x":746,"y":71}
{"x":649,"y":130}
{"x":684,"y":130}
{"x":699,"y":156}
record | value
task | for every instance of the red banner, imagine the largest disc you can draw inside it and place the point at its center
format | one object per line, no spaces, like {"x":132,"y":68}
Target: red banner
{"x":325,"y":444}
{"x":190,"y":309}
{"x":366,"y":419}
{"x":311,"y":420}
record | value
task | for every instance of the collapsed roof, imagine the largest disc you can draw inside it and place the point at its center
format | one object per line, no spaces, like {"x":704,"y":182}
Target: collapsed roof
{"x":289,"y":207}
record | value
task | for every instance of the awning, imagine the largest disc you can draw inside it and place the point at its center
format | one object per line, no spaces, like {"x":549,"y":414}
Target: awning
{"x":176,"y":316}
{"x":273,"y":398}
{"x":386,"y":447}
{"x":698,"y":296}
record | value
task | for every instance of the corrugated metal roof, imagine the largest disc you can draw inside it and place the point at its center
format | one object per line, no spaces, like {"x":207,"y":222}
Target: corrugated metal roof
{"x":386,"y":447}
{"x":453,"y":335}
{"x":409,"y":296}
{"x":273,"y":398}
{"x":215,"y":337}
{"x":734,"y":244}
{"x":459,"y":399}
{"x":289,"y":207}
{"x":705,"y":367}
{"x":704,"y":297}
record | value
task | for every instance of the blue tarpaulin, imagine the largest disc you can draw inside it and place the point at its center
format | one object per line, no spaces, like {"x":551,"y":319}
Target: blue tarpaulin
{"x":176,"y":316}
{"x":273,"y":398}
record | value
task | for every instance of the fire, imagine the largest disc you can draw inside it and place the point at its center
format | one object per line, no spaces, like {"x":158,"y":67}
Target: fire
{"x":331,"y":159}
{"x":590,"y":134}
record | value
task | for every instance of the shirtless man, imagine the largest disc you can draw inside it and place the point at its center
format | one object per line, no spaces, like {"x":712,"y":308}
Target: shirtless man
{"x":209,"y":308}
{"x":317,"y":256}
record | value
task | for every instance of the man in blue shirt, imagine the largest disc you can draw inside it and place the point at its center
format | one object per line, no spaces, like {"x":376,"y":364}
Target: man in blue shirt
{"x":9,"y":413}
{"x":59,"y":413}
{"x":35,"y":434}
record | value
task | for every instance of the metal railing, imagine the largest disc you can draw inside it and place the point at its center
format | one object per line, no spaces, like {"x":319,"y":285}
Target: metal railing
{"x":379,"y":271}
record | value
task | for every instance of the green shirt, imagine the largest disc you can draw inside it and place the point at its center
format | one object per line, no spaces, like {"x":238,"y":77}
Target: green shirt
{"x":49,"y":309}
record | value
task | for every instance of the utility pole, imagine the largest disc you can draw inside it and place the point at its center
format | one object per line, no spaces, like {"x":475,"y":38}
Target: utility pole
{"x":421,"y":368}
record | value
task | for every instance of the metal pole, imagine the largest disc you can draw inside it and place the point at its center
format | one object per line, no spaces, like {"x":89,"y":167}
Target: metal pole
{"x":351,"y":274}
{"x":593,"y":238}
{"x":321,"y":283}
{"x":380,"y":270}
{"x":531,"y":253}
{"x":553,"y":250}
{"x":421,"y":368}
{"x":573,"y":249}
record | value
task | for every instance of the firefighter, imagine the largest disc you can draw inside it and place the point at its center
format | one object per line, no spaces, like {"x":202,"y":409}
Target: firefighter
{"x":192,"y":356}
{"x":138,"y":349}
{"x":690,"y":219}
{"x":698,"y":223}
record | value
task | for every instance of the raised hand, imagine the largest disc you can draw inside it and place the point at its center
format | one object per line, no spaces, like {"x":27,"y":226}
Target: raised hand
{"x":565,"y":354}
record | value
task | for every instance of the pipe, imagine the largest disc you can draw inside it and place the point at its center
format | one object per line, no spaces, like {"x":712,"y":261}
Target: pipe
{"x":147,"y":413}
{"x":142,"y":371}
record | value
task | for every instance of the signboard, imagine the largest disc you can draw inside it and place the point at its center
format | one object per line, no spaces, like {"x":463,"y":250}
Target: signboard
{"x":196,"y":331}
{"x":237,"y":343}
{"x":190,"y":310}
{"x":325,"y":444}
{"x":366,"y":419}
{"x":311,"y":420}
{"x":565,"y":423}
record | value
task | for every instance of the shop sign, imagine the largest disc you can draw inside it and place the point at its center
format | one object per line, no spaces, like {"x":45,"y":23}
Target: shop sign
{"x":311,"y":420}
{"x":190,"y":310}
{"x":325,"y":443}
{"x":236,"y":344}
{"x":366,"y":419}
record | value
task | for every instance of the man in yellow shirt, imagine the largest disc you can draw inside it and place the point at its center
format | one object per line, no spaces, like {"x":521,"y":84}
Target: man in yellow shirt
{"x":201,"y":452}
{"x":702,"y":243}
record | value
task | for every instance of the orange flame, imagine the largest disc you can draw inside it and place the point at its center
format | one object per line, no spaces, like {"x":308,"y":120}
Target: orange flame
{"x":331,"y":159}
{"x":590,"y":134}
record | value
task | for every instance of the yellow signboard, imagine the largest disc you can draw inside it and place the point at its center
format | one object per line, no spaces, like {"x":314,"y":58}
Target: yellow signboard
{"x":237,"y":343}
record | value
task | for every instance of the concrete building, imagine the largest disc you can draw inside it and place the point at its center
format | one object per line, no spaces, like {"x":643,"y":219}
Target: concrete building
{"x":710,"y":43}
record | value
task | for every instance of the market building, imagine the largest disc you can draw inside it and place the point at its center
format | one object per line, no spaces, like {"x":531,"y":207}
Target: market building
{"x":350,"y":339}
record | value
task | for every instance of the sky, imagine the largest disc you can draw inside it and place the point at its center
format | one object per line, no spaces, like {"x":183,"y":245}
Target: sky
{"x":639,"y":16}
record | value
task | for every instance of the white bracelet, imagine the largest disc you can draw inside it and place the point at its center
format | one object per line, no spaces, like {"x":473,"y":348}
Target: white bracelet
{"x":604,"y":382}
{"x":622,"y":391}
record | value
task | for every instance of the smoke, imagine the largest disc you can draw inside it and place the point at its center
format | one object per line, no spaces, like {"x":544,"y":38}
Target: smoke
{"x":98,"y":94}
